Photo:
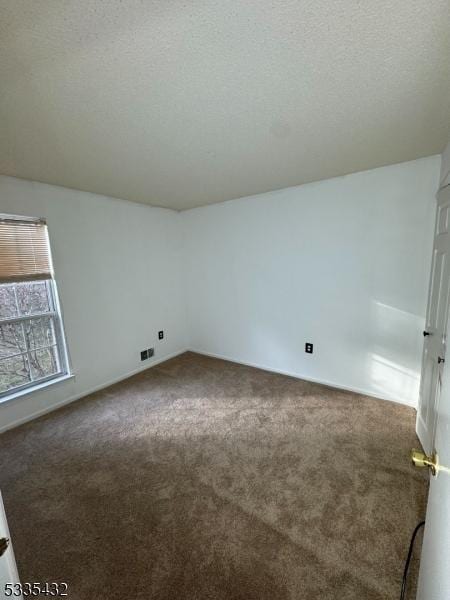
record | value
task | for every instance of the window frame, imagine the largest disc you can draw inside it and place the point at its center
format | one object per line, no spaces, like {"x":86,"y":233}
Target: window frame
{"x":60,"y":346}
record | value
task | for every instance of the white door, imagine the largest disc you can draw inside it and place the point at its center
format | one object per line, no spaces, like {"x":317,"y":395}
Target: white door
{"x":8,"y":569}
{"x":433,"y":422}
{"x":436,"y":323}
{"x":434,"y":575}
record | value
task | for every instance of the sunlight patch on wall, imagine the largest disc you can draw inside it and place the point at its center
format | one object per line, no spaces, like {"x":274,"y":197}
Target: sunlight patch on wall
{"x":395,"y":361}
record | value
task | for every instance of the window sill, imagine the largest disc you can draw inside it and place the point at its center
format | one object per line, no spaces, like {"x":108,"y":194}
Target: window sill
{"x":36,"y":388}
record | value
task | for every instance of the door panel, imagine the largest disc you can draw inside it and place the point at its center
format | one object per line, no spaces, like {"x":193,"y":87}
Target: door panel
{"x":437,"y":315}
{"x":434,"y":575}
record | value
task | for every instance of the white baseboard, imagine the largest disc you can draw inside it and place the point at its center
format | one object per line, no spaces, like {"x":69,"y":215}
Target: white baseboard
{"x":51,"y":408}
{"x":306,"y":378}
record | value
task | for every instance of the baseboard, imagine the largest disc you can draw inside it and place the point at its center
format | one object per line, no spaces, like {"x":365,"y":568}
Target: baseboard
{"x":48,"y":409}
{"x":306,"y":378}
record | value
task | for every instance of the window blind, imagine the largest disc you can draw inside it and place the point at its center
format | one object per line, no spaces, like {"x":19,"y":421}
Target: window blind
{"x":24,"y":250}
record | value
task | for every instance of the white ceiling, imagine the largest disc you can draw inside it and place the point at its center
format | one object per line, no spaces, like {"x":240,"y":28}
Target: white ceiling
{"x":180,"y":104}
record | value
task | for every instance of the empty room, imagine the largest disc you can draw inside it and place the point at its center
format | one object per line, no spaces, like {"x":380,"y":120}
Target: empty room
{"x":224,"y":300}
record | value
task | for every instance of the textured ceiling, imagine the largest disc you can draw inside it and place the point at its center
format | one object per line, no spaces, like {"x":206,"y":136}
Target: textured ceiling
{"x":180,"y":104}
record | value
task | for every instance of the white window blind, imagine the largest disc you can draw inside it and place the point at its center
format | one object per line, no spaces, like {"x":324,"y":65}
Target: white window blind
{"x":24,"y":250}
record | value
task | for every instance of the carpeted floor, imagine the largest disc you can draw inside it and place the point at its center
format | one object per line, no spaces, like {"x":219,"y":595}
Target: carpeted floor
{"x":201,"y":479}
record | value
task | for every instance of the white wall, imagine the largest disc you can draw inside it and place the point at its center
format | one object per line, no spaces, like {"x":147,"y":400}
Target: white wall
{"x":117,"y":268}
{"x":342,"y":263}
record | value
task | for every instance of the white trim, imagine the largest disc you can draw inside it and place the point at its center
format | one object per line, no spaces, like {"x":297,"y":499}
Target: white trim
{"x":96,"y":388}
{"x":11,"y":320}
{"x":35,"y":388}
{"x":345,"y":388}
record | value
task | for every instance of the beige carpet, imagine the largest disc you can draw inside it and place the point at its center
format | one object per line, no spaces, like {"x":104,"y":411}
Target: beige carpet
{"x":202,"y":479}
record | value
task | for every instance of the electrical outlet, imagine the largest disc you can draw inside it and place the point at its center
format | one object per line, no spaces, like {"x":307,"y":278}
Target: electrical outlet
{"x":160,"y":335}
{"x":144,"y":354}
{"x":308,"y":348}
{"x":151,"y":352}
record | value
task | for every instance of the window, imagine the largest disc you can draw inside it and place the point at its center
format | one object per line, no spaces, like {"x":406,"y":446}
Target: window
{"x":32,"y":346}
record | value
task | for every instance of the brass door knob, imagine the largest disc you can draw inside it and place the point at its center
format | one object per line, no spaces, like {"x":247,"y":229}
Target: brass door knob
{"x":419,"y":459}
{"x":4,"y":543}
